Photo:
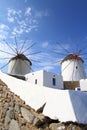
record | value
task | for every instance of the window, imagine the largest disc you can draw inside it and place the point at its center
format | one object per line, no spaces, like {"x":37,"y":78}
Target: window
{"x":54,"y":81}
{"x":76,"y":67}
{"x":35,"y":81}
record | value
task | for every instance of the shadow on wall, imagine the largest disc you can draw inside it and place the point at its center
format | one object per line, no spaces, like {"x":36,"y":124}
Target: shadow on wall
{"x":79,"y":105}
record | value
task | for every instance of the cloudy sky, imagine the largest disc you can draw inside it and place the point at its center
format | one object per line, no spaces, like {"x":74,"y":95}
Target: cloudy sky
{"x":48,"y":26}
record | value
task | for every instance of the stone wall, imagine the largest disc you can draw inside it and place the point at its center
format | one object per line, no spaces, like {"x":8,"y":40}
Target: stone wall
{"x":16,"y":115}
{"x":71,"y":85}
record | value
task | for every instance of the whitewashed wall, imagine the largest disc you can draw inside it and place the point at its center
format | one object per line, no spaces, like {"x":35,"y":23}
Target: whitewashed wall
{"x":83,"y":84}
{"x":45,"y":78}
{"x":30,"y":77}
{"x":73,"y":70}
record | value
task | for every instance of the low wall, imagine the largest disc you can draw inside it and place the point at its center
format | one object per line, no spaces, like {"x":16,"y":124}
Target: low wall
{"x":71,"y":85}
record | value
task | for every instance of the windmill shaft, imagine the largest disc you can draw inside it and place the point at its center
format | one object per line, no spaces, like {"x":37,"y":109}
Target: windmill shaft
{"x":10,"y":46}
{"x":33,"y":53}
{"x":63,"y":48}
{"x":28,"y":48}
{"x":7,"y":52}
{"x":22,"y":46}
{"x":59,"y":53}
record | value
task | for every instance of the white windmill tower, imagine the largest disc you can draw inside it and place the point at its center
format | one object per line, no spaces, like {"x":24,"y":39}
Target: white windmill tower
{"x":72,"y":68}
{"x":19,"y":64}
{"x":72,"y":65}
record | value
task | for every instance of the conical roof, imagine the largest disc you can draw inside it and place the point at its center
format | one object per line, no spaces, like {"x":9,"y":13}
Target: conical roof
{"x":72,"y":57}
{"x":20,"y":56}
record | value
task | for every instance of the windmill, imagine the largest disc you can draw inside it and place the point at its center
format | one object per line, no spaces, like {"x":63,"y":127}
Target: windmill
{"x":19,"y":63}
{"x":72,"y":68}
{"x":72,"y":64}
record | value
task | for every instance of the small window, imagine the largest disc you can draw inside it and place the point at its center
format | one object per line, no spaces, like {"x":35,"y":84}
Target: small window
{"x":76,"y":67}
{"x":54,"y":81}
{"x":35,"y":81}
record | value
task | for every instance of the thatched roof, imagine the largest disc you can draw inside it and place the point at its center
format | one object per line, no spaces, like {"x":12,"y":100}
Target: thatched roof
{"x":22,"y":57}
{"x":72,"y":57}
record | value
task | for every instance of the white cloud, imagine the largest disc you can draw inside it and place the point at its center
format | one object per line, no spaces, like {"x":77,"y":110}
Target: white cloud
{"x":10,"y":19}
{"x":17,"y":31}
{"x":45,"y":44}
{"x":25,"y":1}
{"x":48,"y":68}
{"x":3,"y":31}
{"x":23,"y":29}
{"x":25,"y":26}
{"x":41,"y":14}
{"x":3,"y":26}
{"x":28,"y":11}
{"x":12,"y":14}
{"x":24,"y":21}
{"x":2,"y":36}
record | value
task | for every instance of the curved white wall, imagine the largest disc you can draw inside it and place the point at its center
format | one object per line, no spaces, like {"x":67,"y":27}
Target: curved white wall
{"x":19,"y":67}
{"x":73,"y":70}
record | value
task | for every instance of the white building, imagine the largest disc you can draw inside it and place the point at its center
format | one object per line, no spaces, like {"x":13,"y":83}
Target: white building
{"x":72,"y":68}
{"x":44,"y":78}
{"x":83,"y":84}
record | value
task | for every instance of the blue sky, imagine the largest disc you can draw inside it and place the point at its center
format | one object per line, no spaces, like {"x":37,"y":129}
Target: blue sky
{"x":46,"y":23}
